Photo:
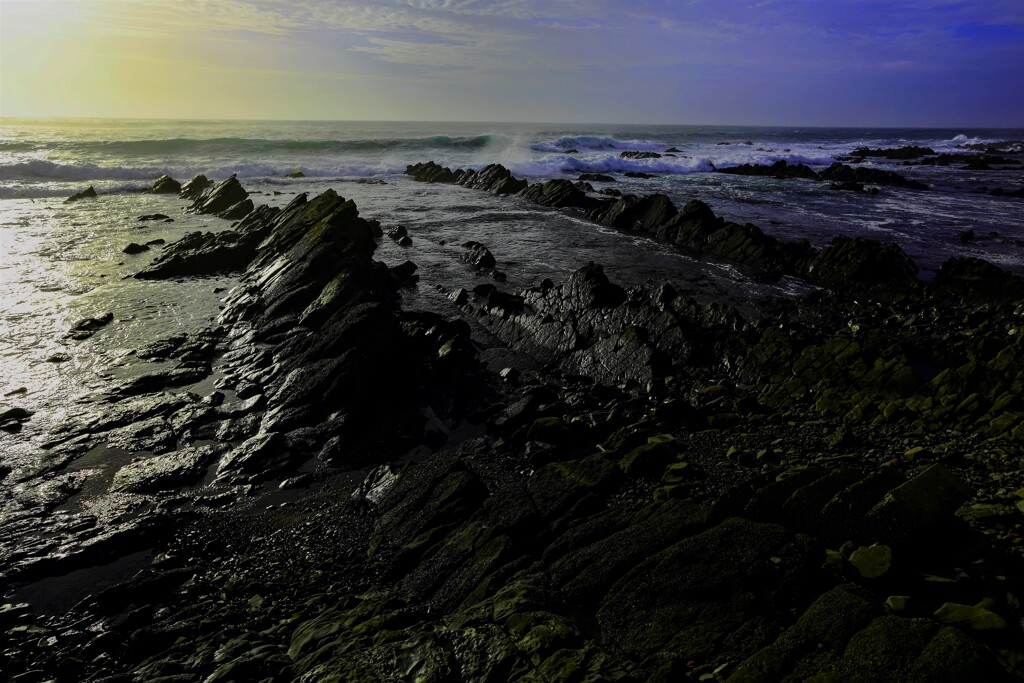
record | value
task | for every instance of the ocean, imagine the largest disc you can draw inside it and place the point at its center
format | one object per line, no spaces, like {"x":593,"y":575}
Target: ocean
{"x":60,"y":262}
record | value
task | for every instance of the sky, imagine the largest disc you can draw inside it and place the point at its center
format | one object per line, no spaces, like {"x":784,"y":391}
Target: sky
{"x":927,"y":63}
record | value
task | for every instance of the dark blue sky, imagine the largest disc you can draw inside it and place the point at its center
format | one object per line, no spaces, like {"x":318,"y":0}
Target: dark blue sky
{"x":794,"y":62}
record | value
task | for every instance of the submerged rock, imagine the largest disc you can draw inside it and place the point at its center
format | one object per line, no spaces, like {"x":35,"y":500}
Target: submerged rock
{"x":134,"y":248}
{"x":85,"y":328}
{"x":87,"y":193}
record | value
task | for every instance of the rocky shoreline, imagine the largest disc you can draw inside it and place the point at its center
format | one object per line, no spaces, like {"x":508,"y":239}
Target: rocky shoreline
{"x":326,"y":486}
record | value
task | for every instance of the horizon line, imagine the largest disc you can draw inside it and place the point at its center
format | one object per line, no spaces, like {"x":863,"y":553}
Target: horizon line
{"x":497,"y":122}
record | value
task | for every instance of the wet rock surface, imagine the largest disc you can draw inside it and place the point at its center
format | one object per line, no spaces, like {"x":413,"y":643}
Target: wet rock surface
{"x":326,"y":486}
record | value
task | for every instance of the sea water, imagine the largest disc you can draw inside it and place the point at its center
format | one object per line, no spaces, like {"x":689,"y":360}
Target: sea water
{"x":63,"y":262}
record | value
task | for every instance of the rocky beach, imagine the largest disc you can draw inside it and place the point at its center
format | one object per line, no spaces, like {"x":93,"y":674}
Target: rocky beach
{"x":591,"y":422}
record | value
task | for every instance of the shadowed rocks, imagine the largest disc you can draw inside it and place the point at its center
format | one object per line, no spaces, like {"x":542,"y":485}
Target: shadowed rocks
{"x":226,"y":200}
{"x":195,"y":187}
{"x":165,"y":184}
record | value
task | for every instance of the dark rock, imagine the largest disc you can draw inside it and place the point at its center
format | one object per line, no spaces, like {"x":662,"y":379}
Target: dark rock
{"x":87,"y":193}
{"x":875,"y":176}
{"x":430,"y":172}
{"x":297,"y":173}
{"x":398,"y":232}
{"x":855,"y":261}
{"x":166,"y":185}
{"x":153,"y":217}
{"x":478,"y":255}
{"x":156,"y":242}
{"x":208,"y":253}
{"x":640,"y":155}
{"x":237,"y":211}
{"x":192,"y":189}
{"x":666,"y":600}
{"x":849,"y":186}
{"x":493,"y":178}
{"x":636,"y":214}
{"x":85,"y":328}
{"x":597,"y":178}
{"x":164,"y":472}
{"x":559,"y":193}
{"x":134,"y":248}
{"x":405,"y":241}
{"x":978,"y":280}
{"x":780,"y":169}
{"x":199,"y":253}
{"x":404,"y":272}
{"x":13,"y":415}
{"x":460,"y":297}
{"x":906,"y":152}
{"x":639,"y":174}
{"x":220,"y":198}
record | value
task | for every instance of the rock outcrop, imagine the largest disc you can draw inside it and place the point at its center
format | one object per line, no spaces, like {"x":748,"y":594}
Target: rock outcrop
{"x":211,"y":253}
{"x":227,"y":199}
{"x":195,"y":187}
{"x":165,"y":184}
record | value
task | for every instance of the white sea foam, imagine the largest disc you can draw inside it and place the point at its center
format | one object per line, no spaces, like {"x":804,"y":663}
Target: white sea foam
{"x":596,"y":142}
{"x":614,"y":163}
{"x":40,"y":170}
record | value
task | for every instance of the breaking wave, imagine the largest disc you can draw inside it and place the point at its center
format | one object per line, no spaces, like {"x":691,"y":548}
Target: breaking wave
{"x":613,"y":163}
{"x":597,"y":143}
{"x":39,"y":170}
{"x":257,"y":146}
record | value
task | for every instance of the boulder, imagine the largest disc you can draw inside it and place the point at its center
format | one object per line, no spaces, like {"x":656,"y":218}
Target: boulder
{"x":134,"y":248}
{"x":639,"y":155}
{"x":478,"y":255}
{"x":596,"y":178}
{"x":165,"y":184}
